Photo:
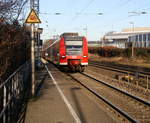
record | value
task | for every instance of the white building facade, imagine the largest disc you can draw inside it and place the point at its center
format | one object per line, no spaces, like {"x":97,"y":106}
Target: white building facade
{"x":140,"y":35}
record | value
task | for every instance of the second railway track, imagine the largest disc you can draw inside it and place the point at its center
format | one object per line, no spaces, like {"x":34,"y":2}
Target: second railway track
{"x":119,"y":68}
{"x":131,"y":107}
{"x":122,"y":68}
{"x":139,"y":78}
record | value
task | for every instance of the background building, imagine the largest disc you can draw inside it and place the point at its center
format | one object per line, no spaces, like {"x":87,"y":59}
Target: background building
{"x":94,"y":43}
{"x":140,"y":40}
{"x":120,"y":39}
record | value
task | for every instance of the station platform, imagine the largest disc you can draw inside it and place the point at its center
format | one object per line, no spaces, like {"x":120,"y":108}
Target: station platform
{"x":60,"y":100}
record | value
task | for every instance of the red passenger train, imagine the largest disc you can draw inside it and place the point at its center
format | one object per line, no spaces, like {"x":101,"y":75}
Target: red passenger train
{"x":70,"y":51}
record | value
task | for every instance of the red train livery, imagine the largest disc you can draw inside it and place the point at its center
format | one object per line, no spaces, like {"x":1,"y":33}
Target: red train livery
{"x":69,"y":51}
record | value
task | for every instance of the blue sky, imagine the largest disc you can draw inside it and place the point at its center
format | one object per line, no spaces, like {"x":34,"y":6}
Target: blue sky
{"x":77,"y":14}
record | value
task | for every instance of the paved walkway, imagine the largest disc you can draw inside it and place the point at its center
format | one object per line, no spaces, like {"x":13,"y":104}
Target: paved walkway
{"x":51,"y":107}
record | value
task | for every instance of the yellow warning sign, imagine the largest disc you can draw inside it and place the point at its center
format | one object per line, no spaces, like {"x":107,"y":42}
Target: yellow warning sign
{"x":32,"y":17}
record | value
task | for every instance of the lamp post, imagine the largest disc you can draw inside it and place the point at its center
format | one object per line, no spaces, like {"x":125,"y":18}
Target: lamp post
{"x":134,"y":13}
{"x":86,"y":28}
{"x":86,"y":31}
{"x":133,"y":42}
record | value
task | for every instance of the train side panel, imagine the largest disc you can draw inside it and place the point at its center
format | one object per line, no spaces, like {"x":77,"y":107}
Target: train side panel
{"x":62,"y":52}
{"x":85,"y":52}
{"x":55,"y":52}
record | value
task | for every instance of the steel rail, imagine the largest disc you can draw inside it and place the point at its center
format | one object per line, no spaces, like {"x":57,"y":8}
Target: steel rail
{"x":117,"y":89}
{"x":131,"y":119}
{"x":138,"y":77}
{"x":118,"y":69}
{"x":108,"y":68}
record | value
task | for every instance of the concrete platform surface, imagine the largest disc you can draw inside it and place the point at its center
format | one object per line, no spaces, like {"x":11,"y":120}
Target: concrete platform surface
{"x":50,"y":107}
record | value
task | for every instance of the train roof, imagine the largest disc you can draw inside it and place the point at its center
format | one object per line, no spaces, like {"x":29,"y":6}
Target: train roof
{"x":66,"y":34}
{"x":73,"y":38}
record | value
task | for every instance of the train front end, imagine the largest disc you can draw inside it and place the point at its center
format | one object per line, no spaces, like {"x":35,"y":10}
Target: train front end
{"x":74,"y":54}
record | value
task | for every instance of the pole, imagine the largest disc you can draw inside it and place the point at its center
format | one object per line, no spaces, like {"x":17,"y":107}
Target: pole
{"x":133,"y":42}
{"x":86,"y":31}
{"x":32,"y":60}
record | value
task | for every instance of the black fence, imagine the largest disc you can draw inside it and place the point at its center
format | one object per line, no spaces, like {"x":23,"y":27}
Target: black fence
{"x":13,"y":95}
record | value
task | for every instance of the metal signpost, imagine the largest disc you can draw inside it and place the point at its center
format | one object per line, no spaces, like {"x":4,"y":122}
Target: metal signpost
{"x":32,"y":19}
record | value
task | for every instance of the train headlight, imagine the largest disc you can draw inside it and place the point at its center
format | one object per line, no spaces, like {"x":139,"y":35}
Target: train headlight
{"x":63,"y":56}
{"x":46,"y":54}
{"x":84,"y":56}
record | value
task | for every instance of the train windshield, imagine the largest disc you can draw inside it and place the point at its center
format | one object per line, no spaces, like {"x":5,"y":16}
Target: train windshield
{"x":73,"y":45}
{"x":74,"y":48}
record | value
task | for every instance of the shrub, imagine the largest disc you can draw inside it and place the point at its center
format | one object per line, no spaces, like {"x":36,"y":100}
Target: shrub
{"x":113,"y":52}
{"x":14,"y":48}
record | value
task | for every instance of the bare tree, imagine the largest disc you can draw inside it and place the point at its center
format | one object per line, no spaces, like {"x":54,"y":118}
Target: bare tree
{"x":11,"y":10}
{"x":14,"y":38}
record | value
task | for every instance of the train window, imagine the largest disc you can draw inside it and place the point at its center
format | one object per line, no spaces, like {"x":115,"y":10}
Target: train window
{"x":73,"y":43}
{"x":74,"y":47}
{"x":78,"y":38}
{"x":73,"y":50}
{"x":140,"y":37}
{"x":144,"y":37}
{"x":148,"y":37}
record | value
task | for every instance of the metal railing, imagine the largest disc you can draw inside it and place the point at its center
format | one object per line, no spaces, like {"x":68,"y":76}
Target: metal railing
{"x":13,"y":93}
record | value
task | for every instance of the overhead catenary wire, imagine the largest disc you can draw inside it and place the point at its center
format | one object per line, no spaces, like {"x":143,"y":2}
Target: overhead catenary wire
{"x":83,"y":9}
{"x":125,"y":3}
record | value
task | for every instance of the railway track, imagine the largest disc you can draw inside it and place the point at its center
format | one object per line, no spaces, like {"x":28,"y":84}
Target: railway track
{"x":138,"y":77}
{"x":130,"y":107}
{"x":122,"y":69}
